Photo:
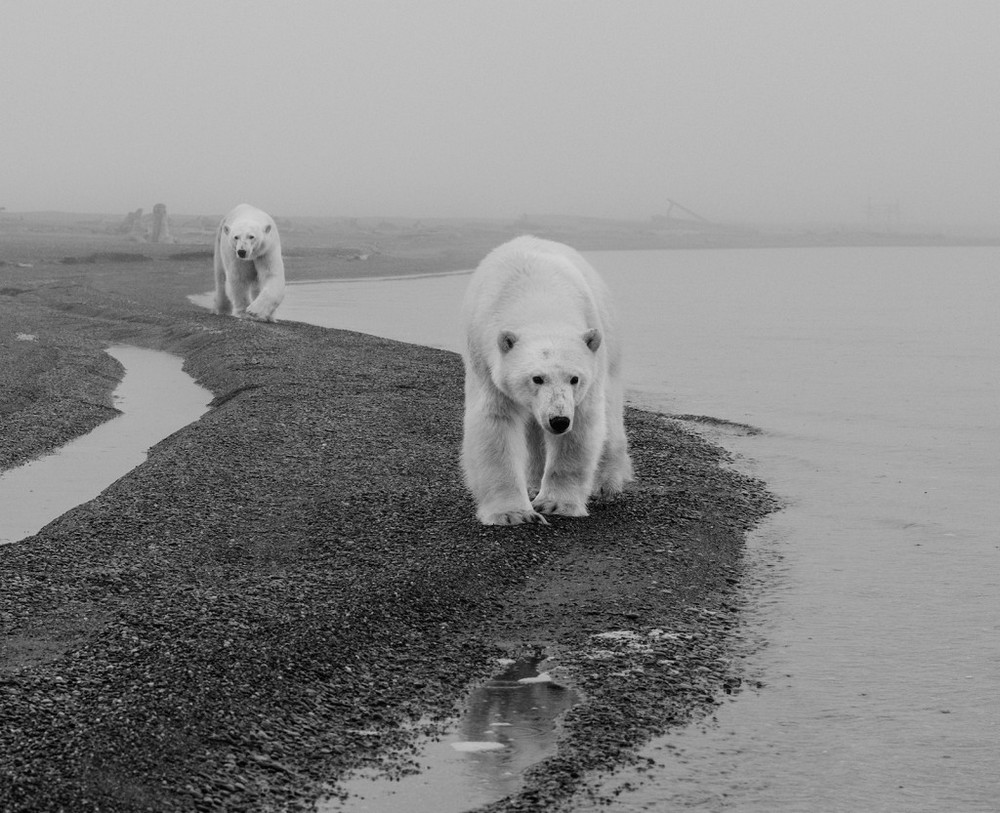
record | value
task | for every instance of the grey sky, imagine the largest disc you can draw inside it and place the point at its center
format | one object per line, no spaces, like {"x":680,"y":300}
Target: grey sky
{"x":741,"y":109}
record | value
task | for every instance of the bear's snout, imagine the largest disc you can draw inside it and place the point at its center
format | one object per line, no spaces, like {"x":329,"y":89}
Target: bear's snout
{"x":241,"y":253}
{"x":559,"y":424}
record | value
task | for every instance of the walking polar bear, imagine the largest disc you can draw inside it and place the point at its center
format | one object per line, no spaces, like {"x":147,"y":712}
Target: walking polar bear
{"x":249,"y":269}
{"x":543,"y":387}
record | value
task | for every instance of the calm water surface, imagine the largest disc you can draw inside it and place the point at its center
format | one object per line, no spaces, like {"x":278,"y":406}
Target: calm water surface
{"x":874,"y":375}
{"x":155,"y":397}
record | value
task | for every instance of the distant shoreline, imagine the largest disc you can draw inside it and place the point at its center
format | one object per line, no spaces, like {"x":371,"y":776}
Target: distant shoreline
{"x":360,"y":248}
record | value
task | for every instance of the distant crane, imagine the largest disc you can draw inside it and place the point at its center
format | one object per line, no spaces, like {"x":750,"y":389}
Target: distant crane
{"x":675,"y":205}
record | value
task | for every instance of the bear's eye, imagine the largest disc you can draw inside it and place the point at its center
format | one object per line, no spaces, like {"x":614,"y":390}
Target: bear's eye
{"x":251,"y":237}
{"x":575,"y":380}
{"x":538,"y":379}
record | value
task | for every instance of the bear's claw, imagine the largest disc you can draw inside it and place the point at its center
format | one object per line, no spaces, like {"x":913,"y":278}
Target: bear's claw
{"x":565,"y":508}
{"x":515,"y":517}
{"x":608,"y":491}
{"x":258,"y":318}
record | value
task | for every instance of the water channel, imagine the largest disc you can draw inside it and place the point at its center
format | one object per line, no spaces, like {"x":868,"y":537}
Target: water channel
{"x":155,"y":398}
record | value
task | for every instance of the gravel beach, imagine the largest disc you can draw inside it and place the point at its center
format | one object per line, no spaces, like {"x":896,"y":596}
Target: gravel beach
{"x":295,"y":586}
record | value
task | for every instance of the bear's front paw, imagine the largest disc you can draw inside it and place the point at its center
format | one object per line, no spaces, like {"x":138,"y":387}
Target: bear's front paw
{"x":563,"y":507}
{"x":515,"y":516}
{"x":258,"y":315}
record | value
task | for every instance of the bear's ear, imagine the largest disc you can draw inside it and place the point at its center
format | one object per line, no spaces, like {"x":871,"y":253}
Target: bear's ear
{"x":267,"y":229}
{"x":226,"y":228}
{"x":506,"y":340}
{"x":592,"y":338}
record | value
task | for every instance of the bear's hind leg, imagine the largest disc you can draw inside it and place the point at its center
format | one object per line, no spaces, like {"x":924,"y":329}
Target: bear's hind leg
{"x":240,"y":302}
{"x":242,"y":279}
{"x":222,"y":305}
{"x":613,"y":472}
{"x":615,"y":467}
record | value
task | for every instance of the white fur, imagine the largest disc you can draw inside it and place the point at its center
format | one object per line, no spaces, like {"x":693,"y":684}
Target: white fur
{"x":536,"y":311}
{"x":251,"y":286}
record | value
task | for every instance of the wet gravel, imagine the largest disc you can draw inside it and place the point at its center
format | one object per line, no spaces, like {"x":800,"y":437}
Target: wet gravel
{"x":289,"y":584}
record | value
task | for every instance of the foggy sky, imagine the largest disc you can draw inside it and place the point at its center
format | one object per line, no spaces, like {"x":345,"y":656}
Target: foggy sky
{"x":748,"y":110}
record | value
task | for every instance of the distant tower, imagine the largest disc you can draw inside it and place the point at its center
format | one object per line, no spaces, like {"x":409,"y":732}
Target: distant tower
{"x":161,"y":225}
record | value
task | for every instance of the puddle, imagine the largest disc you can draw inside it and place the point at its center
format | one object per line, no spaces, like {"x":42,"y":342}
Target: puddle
{"x":156,"y":398}
{"x":509,"y":725}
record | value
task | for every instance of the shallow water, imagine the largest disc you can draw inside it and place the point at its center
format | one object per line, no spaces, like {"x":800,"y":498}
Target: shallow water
{"x":418,"y":309}
{"x":155,"y":397}
{"x":509,"y":724}
{"x":873,"y":373}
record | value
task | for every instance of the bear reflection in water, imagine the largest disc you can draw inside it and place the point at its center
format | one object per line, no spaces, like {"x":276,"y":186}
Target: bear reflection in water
{"x":517,"y":710}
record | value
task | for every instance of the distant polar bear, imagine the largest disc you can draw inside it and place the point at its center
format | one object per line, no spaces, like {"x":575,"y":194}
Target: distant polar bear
{"x":249,"y":269}
{"x":543,"y":386}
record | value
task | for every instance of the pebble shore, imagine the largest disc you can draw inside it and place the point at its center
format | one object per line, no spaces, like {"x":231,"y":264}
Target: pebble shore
{"x":288,"y":585}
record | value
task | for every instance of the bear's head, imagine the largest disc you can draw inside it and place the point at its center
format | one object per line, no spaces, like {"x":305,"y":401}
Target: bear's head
{"x":548,"y":375}
{"x":247,"y":237}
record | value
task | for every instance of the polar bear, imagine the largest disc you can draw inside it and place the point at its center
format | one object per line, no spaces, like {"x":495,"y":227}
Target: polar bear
{"x":543,"y":385}
{"x":249,"y":269}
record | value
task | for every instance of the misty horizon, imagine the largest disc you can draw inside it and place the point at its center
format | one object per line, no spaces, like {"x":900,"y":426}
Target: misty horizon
{"x":529,"y":220}
{"x":770,"y":113}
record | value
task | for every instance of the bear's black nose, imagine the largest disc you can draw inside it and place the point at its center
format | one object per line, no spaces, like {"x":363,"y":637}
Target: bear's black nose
{"x":241,"y":253}
{"x":559,"y":424}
